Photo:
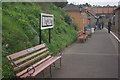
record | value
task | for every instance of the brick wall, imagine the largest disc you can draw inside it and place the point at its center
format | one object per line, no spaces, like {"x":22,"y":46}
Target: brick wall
{"x":79,"y":19}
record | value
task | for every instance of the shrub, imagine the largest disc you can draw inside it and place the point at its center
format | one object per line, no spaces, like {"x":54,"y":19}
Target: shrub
{"x":60,"y":4}
{"x":68,"y":20}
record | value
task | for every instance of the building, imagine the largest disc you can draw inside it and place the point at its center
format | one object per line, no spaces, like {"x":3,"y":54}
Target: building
{"x":117,"y":20}
{"x":104,"y":9}
{"x":119,"y":3}
{"x":79,"y":17}
{"x":87,"y":14}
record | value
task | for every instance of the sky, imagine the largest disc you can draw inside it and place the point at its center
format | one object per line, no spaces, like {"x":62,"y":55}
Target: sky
{"x":95,"y":2}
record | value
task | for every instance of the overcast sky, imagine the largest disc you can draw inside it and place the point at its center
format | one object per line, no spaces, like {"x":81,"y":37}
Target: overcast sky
{"x":95,"y":2}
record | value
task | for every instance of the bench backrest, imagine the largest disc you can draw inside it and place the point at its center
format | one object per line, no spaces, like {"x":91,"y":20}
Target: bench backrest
{"x":80,"y":33}
{"x":32,"y":56}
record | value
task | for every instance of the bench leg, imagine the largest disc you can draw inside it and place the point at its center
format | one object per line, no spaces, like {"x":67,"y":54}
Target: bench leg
{"x":59,"y":66}
{"x":43,"y":74}
{"x":50,"y":69}
{"x":54,"y":64}
{"x":60,"y":62}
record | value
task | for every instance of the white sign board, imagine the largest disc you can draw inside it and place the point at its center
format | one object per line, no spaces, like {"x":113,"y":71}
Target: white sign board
{"x":47,"y":21}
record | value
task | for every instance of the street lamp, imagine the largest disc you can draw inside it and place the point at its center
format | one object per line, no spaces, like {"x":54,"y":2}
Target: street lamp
{"x":80,"y":7}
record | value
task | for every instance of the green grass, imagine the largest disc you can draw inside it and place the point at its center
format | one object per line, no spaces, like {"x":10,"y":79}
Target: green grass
{"x":20,"y":29}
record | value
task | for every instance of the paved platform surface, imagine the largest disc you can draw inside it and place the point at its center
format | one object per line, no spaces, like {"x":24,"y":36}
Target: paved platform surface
{"x":96,"y":58}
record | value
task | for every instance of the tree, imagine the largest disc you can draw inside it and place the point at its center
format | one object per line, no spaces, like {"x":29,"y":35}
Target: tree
{"x":68,"y":20}
{"x":88,"y":5}
{"x":60,"y":4}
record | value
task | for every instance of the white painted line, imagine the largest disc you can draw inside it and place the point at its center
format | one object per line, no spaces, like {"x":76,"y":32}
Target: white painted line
{"x":114,"y":35}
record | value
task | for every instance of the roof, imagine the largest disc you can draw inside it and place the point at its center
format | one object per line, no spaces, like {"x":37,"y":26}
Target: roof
{"x":118,"y":8}
{"x":72,"y":7}
{"x":104,"y":6}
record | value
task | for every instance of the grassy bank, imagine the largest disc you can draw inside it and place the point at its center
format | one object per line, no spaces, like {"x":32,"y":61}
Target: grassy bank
{"x":20,"y":29}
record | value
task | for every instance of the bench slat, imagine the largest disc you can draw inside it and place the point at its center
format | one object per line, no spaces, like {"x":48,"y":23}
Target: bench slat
{"x":30,"y":61}
{"x":42,"y":66}
{"x":80,"y":33}
{"x":24,"y":52}
{"x":46,"y":64}
{"x":32,"y":55}
{"x":36,"y":64}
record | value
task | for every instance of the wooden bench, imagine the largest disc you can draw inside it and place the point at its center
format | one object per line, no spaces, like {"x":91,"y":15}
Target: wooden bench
{"x":88,"y":32}
{"x":81,"y":35}
{"x":30,"y":62}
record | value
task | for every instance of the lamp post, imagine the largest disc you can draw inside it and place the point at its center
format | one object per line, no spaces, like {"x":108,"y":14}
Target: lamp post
{"x":89,"y":18}
{"x":80,"y":7}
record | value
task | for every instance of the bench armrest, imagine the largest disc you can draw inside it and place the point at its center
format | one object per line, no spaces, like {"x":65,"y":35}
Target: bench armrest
{"x":30,"y":69}
{"x":58,"y":54}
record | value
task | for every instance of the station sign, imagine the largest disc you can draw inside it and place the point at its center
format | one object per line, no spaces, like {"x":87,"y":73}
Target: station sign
{"x":47,"y":21}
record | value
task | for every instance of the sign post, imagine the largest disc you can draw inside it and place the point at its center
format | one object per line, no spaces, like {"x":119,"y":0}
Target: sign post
{"x":46,"y":22}
{"x":49,"y":35}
